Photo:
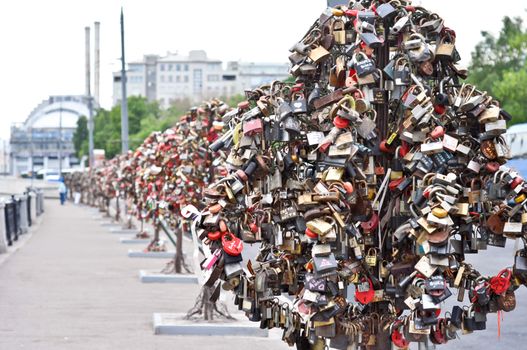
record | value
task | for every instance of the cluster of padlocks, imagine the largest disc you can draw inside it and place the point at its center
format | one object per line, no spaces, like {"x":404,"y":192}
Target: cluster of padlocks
{"x":365,"y":183}
{"x":168,"y":170}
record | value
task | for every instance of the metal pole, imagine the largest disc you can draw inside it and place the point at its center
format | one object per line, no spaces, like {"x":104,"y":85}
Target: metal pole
{"x":60,"y":140}
{"x":31,"y":152}
{"x":88,"y":96}
{"x":96,"y":63}
{"x":5,"y":158}
{"x":91,"y":158}
{"x":124,"y":102}
{"x":88,"y":64}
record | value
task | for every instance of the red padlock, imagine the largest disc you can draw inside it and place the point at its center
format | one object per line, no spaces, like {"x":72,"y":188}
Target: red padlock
{"x":386,"y":148}
{"x":516,"y":182}
{"x":253,"y":227}
{"x":439,"y":109}
{"x":232,"y":245}
{"x":394,"y":183}
{"x":214,"y":236}
{"x":438,"y":336}
{"x":501,"y":282}
{"x":341,"y":123}
{"x":438,"y":132}
{"x":351,"y":13}
{"x":311,"y":234}
{"x":365,"y":297}
{"x":371,"y":224}
{"x":348,"y":186}
{"x":404,"y":149}
{"x":398,"y":340}
{"x":492,"y":167}
{"x":324,"y":147}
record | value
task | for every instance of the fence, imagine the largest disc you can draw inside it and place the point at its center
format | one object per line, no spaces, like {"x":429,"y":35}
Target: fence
{"x":17,"y":214}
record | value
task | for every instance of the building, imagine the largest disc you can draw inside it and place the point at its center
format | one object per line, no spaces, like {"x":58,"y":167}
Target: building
{"x":250,"y":75}
{"x":47,"y":135}
{"x":194,"y":77}
{"x":4,"y":157}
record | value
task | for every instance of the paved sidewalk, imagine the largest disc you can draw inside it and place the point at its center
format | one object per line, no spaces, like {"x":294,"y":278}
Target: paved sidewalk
{"x":72,"y":286}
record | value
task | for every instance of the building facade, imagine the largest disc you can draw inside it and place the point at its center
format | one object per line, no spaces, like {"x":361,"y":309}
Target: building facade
{"x":195,"y":77}
{"x":46,"y":137}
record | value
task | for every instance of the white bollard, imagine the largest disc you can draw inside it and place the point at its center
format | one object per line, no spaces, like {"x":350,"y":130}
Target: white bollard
{"x":34,"y":203}
{"x":24,"y":224}
{"x":3,"y":237}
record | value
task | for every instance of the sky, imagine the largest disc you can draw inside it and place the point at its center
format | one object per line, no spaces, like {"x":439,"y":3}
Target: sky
{"x":43,"y":40}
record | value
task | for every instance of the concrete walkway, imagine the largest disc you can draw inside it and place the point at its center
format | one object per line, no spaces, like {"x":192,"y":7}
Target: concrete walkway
{"x":72,"y":286}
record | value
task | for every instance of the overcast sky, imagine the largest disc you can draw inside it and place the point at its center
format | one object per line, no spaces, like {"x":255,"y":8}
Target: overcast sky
{"x":43,"y":41}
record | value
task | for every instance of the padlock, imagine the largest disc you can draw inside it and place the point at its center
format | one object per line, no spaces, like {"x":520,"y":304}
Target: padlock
{"x":445,"y":48}
{"x":371,"y":257}
{"x":401,"y":72}
{"x":379,"y":92}
{"x":339,"y":32}
{"x":431,"y":147}
{"x":363,"y":65}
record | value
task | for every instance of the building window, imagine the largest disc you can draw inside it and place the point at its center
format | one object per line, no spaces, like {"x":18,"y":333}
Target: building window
{"x":162,"y":67}
{"x":169,"y":78}
{"x":213,"y":78}
{"x":162,"y":78}
{"x":170,"y":67}
{"x":178,"y":79}
{"x":186,"y":78}
{"x":185,"y":67}
{"x":178,"y":67}
{"x":197,"y":79}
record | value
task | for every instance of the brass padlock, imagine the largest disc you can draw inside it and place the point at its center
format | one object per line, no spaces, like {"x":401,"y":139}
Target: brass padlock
{"x":371,"y":257}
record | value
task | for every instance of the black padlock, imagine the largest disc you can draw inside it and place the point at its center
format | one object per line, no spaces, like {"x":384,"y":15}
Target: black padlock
{"x":256,"y":313}
{"x":456,"y":316}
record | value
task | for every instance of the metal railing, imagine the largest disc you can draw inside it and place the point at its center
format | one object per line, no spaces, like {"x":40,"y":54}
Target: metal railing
{"x":17,"y":214}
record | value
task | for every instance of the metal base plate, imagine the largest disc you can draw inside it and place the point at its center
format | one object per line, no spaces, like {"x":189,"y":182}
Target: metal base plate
{"x":156,"y":277}
{"x":110,"y":225}
{"x":133,"y":240}
{"x":156,"y":255}
{"x":174,"y":324}
{"x":124,"y":231}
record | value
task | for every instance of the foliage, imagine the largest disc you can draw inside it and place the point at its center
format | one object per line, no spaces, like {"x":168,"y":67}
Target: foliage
{"x":81,"y":134}
{"x":499,"y":66}
{"x":143,"y":118}
{"x":234,"y":100}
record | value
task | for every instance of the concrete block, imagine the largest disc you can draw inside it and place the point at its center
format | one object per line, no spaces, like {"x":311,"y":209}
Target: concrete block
{"x":110,"y":225}
{"x":156,"y":277}
{"x":133,"y":240}
{"x":156,"y":255}
{"x":124,"y":231}
{"x":174,"y":324}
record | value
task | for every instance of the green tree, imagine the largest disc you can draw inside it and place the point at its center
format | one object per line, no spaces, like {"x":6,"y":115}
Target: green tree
{"x":234,"y":100}
{"x":499,"y":66}
{"x":80,"y":135}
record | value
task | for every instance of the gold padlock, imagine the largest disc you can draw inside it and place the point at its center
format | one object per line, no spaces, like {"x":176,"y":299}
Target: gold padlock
{"x":337,"y":12}
{"x":462,"y":209}
{"x":371,"y":257}
{"x":384,"y":271}
{"x":354,"y":278}
{"x":520,"y":198}
{"x":439,"y":212}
